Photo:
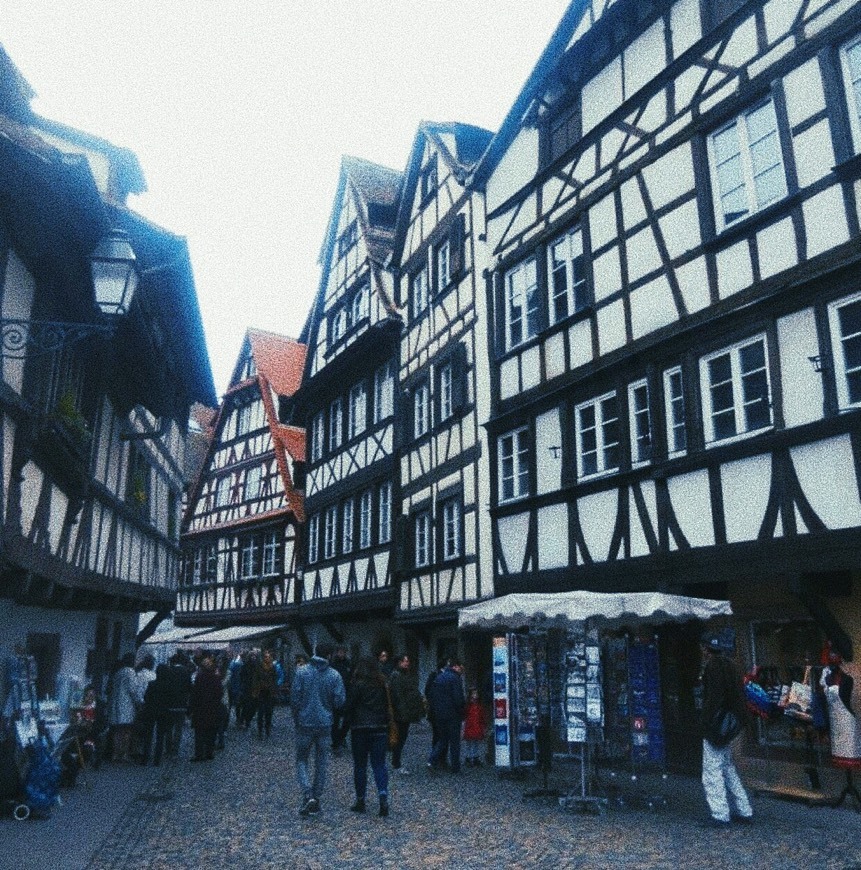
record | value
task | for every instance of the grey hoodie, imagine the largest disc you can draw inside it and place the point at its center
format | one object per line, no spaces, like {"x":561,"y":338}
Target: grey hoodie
{"x":317,"y":692}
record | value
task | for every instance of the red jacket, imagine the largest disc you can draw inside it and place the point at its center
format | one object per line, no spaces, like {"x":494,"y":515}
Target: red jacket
{"x":475,"y":723}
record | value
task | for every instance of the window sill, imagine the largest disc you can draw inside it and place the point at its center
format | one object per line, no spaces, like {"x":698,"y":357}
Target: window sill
{"x":744,"y":227}
{"x":741,"y":436}
{"x":597,"y":475}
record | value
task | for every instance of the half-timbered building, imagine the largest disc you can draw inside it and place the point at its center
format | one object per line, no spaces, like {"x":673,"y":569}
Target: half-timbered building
{"x":240,"y":529}
{"x":93,"y":417}
{"x":347,"y":403}
{"x":443,"y":378}
{"x":673,"y":221}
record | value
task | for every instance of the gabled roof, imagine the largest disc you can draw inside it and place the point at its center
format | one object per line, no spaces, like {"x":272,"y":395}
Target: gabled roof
{"x":378,"y":189}
{"x":281,"y":360}
{"x":470,"y":143}
{"x":547,"y":62}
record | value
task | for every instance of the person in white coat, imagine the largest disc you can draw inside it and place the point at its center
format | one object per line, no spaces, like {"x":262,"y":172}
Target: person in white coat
{"x":123,"y":708}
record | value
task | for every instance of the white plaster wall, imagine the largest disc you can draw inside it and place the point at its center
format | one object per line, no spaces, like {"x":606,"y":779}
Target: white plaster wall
{"x":553,"y":536}
{"x":598,"y":520}
{"x":512,"y":538}
{"x":548,"y":434}
{"x":826,"y":473}
{"x":18,"y":288}
{"x":515,"y":169}
{"x":745,"y":485}
{"x":802,"y":386}
{"x":825,"y":220}
{"x":689,"y":496}
{"x":777,"y":248}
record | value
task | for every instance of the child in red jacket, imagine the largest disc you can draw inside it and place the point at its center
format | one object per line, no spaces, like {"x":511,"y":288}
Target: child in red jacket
{"x":474,"y":730}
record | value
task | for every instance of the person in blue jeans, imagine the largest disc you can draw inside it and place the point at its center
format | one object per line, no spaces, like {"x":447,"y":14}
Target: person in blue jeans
{"x":448,"y":705}
{"x":316,"y":692}
{"x":367,"y":712}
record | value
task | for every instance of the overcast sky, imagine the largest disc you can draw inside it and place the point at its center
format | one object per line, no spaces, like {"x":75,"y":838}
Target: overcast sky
{"x":240,"y":112}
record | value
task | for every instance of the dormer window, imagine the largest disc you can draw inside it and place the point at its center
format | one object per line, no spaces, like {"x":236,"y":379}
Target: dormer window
{"x":360,"y":306}
{"x":561,"y":132}
{"x":348,"y":238}
{"x":428,"y":181}
{"x":339,"y":324}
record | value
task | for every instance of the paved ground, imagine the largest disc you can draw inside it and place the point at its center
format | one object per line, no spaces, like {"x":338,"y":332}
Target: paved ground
{"x":240,"y":811}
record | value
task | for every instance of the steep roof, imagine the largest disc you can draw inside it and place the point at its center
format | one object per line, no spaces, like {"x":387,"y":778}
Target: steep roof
{"x":279,"y":358}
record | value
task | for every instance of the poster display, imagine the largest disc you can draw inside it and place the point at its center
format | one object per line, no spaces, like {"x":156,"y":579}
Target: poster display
{"x":501,"y":703}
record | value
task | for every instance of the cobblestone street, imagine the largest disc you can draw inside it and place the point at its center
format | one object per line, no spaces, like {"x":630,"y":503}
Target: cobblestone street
{"x":241,"y":812}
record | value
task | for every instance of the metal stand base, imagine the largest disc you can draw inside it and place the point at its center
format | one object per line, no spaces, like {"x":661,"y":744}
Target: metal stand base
{"x":849,"y":790}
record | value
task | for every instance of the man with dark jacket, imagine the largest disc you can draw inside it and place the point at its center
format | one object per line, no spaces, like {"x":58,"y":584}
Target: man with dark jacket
{"x":448,"y":704}
{"x":340,"y":727}
{"x":407,"y":703}
{"x":178,"y":692}
{"x":722,"y":693}
{"x":317,"y":692}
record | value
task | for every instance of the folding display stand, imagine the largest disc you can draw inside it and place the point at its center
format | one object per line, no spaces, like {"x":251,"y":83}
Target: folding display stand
{"x":850,"y":789}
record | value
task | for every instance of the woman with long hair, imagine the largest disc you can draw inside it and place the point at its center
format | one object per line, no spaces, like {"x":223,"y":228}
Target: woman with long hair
{"x":367,"y":711}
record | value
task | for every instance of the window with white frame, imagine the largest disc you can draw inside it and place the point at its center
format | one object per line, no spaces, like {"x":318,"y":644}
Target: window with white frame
{"x":443,"y":265}
{"x":270,"y":566}
{"x":850,"y":57}
{"x":422,"y":540}
{"x":597,"y":430}
{"x":747,"y":164}
{"x":222,"y":491}
{"x":419,"y":291}
{"x":243,"y":420}
{"x":347,"y":526}
{"x":212,"y":563}
{"x":339,"y":323}
{"x":197,"y":566}
{"x":521,"y":303}
{"x":318,"y":425}
{"x":336,"y":424}
{"x":640,"y":422}
{"x":421,"y":409}
{"x":446,"y":397}
{"x":451,"y":545}
{"x":385,"y":518}
{"x":736,"y":390}
{"x":313,"y":539}
{"x":674,"y":409}
{"x":252,"y":483}
{"x":360,"y":305}
{"x":248,"y":558}
{"x":330,"y":532}
{"x":358,"y":411}
{"x":384,"y":392}
{"x":845,"y":319}
{"x":514,"y":454}
{"x":567,"y":275}
{"x":366,"y":503}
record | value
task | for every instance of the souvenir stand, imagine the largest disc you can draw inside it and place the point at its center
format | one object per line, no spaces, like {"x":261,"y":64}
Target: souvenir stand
{"x":558,"y":670}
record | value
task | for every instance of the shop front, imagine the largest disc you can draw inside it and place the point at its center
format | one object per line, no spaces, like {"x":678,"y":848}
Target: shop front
{"x":607,"y":678}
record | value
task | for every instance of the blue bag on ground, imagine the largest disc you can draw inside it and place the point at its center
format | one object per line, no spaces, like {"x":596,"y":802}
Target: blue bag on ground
{"x":43,"y":780}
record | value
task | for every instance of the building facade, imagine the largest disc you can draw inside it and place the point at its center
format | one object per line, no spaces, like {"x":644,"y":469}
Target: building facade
{"x":240,"y":530}
{"x":93,"y":418}
{"x":673,"y":225}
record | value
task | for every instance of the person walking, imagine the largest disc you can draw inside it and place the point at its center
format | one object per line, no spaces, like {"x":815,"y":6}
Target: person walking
{"x":448,"y":703}
{"x":246,"y":679}
{"x":367,"y":712}
{"x":407,"y":703}
{"x":123,"y":708}
{"x":157,"y":702}
{"x":264,"y":684}
{"x":722,"y":693}
{"x":317,"y":691}
{"x":441,"y":665}
{"x":178,"y":697}
{"x":342,"y":664}
{"x":205,"y":709}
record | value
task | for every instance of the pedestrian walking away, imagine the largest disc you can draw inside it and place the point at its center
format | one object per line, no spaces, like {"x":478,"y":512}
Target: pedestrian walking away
{"x":448,"y":703}
{"x":441,"y":665}
{"x":367,"y":712}
{"x":317,"y":691}
{"x":723,"y":694}
{"x":123,"y":708}
{"x":407,"y":703}
{"x":264,"y":685}
{"x":344,"y":667}
{"x":205,"y":709}
{"x":157,"y":705}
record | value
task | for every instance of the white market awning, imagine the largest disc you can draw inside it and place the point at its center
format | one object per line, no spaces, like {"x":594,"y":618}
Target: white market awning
{"x":176,"y":635}
{"x":234,"y":634}
{"x":610,"y":609}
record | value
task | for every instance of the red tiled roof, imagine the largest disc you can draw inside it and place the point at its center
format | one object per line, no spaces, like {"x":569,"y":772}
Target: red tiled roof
{"x":293,"y":439}
{"x":281,"y":360}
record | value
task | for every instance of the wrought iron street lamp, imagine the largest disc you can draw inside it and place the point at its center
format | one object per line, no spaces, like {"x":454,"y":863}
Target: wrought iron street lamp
{"x":115,"y":279}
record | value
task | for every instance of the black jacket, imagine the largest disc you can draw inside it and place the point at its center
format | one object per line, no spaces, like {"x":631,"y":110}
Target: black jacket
{"x":367,"y":705}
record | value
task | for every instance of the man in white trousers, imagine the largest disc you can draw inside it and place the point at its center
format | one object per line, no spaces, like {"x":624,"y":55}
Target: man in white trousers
{"x":722,"y":693}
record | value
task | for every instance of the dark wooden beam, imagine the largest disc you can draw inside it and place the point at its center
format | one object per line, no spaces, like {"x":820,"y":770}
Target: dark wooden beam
{"x":334,"y":632}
